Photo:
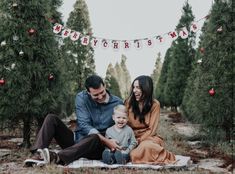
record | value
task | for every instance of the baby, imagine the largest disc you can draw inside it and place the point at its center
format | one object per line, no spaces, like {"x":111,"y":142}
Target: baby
{"x":123,"y":135}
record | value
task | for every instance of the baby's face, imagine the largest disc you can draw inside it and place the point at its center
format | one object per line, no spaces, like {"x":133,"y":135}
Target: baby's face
{"x":120,"y":120}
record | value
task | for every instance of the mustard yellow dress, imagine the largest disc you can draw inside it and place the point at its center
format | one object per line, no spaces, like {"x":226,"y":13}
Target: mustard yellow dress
{"x":150,"y":149}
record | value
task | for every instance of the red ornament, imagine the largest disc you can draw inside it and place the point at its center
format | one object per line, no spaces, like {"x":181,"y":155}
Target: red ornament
{"x":51,"y":77}
{"x":2,"y":81}
{"x":202,"y":50}
{"x":31,"y":31}
{"x":52,"y":20}
{"x":212,"y":92}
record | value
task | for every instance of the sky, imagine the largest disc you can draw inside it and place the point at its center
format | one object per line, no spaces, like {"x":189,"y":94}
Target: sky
{"x":134,"y":19}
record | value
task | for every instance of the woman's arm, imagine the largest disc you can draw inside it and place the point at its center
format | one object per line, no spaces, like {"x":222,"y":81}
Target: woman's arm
{"x":153,"y":122}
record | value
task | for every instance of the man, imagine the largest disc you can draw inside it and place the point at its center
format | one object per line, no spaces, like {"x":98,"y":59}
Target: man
{"x":94,"y":109}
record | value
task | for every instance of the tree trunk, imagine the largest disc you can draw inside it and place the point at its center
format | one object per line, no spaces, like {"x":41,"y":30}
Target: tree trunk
{"x":174,"y":108}
{"x":26,"y":131}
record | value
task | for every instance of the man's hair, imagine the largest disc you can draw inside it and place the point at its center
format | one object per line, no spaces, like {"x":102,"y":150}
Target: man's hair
{"x":93,"y":81}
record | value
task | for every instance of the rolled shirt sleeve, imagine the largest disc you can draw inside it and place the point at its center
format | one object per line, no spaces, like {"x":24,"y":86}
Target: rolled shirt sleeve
{"x":93,"y":131}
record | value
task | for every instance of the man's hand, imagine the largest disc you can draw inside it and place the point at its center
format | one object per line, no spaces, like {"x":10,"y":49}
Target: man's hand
{"x":112,"y":144}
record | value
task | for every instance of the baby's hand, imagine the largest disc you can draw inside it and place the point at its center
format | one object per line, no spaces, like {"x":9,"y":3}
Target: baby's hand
{"x":124,"y":151}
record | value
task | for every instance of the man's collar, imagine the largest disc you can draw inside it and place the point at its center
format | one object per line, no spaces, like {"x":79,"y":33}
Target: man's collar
{"x":107,"y":97}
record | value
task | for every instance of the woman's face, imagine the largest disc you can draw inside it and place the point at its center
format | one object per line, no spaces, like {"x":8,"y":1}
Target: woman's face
{"x":137,"y":91}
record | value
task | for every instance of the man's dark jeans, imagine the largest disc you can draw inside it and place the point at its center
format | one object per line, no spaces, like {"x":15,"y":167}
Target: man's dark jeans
{"x":89,"y":147}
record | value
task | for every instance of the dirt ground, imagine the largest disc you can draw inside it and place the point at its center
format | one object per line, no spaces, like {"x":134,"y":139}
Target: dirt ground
{"x":204,"y":159}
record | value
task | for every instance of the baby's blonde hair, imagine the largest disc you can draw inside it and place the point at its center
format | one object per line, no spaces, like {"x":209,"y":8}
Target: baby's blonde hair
{"x":120,"y":110}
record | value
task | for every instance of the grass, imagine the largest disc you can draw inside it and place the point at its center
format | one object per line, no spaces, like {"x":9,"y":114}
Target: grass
{"x":174,"y":142}
{"x":52,"y":169}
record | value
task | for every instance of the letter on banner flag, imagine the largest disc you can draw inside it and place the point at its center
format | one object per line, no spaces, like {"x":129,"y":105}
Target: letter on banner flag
{"x":173,"y":35}
{"x":116,"y":45}
{"x":160,"y":39}
{"x":94,"y":42}
{"x":149,"y":43}
{"x":66,"y":33}
{"x":138,"y":44}
{"x":183,"y":33}
{"x":105,"y":43}
{"x":85,"y":40}
{"x":194,"y":27}
{"x":126,"y":45}
{"x":57,"y":28}
{"x":74,"y":35}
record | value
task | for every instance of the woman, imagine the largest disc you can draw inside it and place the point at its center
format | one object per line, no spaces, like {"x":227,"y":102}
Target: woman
{"x":143,"y":115}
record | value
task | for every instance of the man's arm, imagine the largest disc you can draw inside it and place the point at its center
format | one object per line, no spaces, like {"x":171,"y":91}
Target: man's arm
{"x":110,"y":143}
{"x":83,"y":116}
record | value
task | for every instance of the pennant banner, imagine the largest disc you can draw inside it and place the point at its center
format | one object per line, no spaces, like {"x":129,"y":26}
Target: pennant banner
{"x":86,"y":39}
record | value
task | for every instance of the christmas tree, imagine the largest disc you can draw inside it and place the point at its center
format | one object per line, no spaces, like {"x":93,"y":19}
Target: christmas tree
{"x":211,"y":101}
{"x":111,"y":82}
{"x":163,"y":78}
{"x":79,"y":59}
{"x":30,"y":78}
{"x":122,"y":76}
{"x":156,"y":72}
{"x":180,"y":65}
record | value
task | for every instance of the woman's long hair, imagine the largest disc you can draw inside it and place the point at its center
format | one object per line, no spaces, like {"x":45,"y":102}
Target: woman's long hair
{"x":146,"y":86}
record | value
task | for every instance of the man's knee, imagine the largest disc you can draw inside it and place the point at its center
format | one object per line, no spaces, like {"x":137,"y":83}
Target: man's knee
{"x":50,"y":118}
{"x":94,"y":137}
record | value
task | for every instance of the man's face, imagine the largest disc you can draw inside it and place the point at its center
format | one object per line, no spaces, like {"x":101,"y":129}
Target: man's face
{"x":99,"y":95}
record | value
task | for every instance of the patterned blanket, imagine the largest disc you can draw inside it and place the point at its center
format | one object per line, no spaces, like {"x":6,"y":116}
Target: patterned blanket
{"x":182,"y":162}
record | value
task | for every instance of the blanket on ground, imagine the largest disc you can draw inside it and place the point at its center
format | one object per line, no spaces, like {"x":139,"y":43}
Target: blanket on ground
{"x":181,"y":162}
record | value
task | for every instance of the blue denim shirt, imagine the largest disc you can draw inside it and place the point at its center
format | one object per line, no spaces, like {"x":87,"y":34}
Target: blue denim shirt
{"x":93,"y":117}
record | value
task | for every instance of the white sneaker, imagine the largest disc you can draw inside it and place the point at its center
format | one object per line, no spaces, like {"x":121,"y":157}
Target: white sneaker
{"x":46,"y":155}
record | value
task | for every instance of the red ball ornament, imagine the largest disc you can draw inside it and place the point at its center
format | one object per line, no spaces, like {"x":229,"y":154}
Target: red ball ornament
{"x":2,"y":81}
{"x":212,"y":92}
{"x":202,"y":50}
{"x":51,"y":77}
{"x":31,"y":31}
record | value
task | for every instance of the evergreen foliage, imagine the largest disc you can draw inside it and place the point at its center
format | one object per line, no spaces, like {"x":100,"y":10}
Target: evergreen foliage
{"x":215,"y":113}
{"x":125,"y":78}
{"x":78,"y":59}
{"x":111,"y":82}
{"x":180,"y":66}
{"x":122,"y":76}
{"x":27,"y":59}
{"x":156,"y":72}
{"x":163,"y":78}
